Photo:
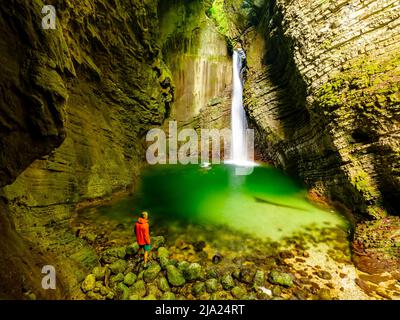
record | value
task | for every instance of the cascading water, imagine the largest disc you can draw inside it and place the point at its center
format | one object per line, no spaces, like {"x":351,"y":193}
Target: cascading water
{"x":239,"y":148}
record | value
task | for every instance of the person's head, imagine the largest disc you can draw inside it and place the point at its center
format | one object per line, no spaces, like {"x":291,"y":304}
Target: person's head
{"x":145,"y":215}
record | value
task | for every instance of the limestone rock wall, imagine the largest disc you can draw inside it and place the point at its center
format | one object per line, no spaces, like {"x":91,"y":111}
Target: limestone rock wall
{"x":324,"y":96}
{"x":98,"y":84}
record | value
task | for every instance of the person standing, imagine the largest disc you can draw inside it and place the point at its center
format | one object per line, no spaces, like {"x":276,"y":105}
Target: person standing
{"x":142,"y":233}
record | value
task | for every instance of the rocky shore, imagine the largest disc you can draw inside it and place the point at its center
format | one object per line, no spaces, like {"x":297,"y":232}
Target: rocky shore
{"x":189,"y":262}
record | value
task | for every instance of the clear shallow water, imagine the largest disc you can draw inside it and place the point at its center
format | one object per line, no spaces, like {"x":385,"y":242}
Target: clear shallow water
{"x":267,"y":203}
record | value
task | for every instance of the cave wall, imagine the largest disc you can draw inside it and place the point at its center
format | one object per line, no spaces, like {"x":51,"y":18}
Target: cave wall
{"x":324,"y":96}
{"x":98,"y":84}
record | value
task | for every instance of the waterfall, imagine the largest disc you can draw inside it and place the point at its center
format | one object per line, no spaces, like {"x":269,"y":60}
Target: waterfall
{"x":239,"y":150}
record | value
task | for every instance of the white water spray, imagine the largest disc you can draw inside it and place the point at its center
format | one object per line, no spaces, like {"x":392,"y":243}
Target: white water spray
{"x":239,"y":152}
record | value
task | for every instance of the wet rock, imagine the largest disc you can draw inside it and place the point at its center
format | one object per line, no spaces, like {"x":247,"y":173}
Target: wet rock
{"x":192,"y":272}
{"x":276,"y":291}
{"x":199,"y":246}
{"x":217,"y":258}
{"x":157,"y":242}
{"x":198,"y":289}
{"x":139,"y":288}
{"x":123,"y":291}
{"x":130,"y":279}
{"x":183,"y":265}
{"x":325,"y":294}
{"x":89,"y":283}
{"x":134,"y":297}
{"x":281,"y":278}
{"x":150,"y":297}
{"x":118,"y":266}
{"x":227,"y":282}
{"x":151,"y":272}
{"x":113,"y":254}
{"x":152,"y":289}
{"x":175,"y":276}
{"x":324,"y":275}
{"x":212,"y":285}
{"x":259,"y":278}
{"x":238,"y":292}
{"x":94,"y":296}
{"x":163,"y":284}
{"x":162,"y":252}
{"x":164,"y":261}
{"x":132,"y":249}
{"x":247,"y":274}
{"x":99,"y":272}
{"x":117,"y":278}
{"x":168,"y":296}
{"x":212,"y":273}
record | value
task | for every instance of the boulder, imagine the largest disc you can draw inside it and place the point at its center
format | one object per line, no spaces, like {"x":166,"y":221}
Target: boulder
{"x":113,"y":254}
{"x":168,"y":296}
{"x":198,"y":289}
{"x":139,"y":288}
{"x":130,"y":279}
{"x":259,"y":279}
{"x":99,"y":272}
{"x":123,"y":291}
{"x":212,"y":285}
{"x":132,"y":249}
{"x":117,"y":278}
{"x":227,"y":282}
{"x":89,"y":283}
{"x":281,"y":278}
{"x":192,"y":272}
{"x":163,"y":284}
{"x":150,"y":274}
{"x":238,"y":292}
{"x":118,"y":266}
{"x":175,"y":276}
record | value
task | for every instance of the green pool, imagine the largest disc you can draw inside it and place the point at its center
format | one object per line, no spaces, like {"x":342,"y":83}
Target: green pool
{"x":266,"y":203}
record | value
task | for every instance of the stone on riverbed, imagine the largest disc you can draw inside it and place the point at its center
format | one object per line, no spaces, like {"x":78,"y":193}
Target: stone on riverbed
{"x":192,"y":272}
{"x":151,"y":272}
{"x":163,"y":284}
{"x":175,"y":276}
{"x":198,"y":289}
{"x":117,"y":278}
{"x":89,"y":283}
{"x":118,"y":266}
{"x":281,"y":278}
{"x":130,"y":279}
{"x":162,"y":252}
{"x":238,"y":292}
{"x":139,"y":288}
{"x":99,"y":272}
{"x":132,"y":249}
{"x":259,"y":278}
{"x":113,"y":254}
{"x":227,"y":282}
{"x":123,"y":290}
{"x":183,"y":265}
{"x":168,"y":296}
{"x":212,"y":285}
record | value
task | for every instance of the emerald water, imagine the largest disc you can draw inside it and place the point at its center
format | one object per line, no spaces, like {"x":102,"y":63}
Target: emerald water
{"x":266,"y":203}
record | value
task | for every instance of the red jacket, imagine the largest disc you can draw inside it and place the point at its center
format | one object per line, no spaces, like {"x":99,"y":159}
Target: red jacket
{"x":142,"y":232}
